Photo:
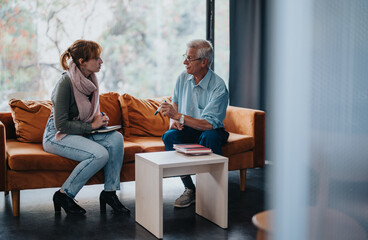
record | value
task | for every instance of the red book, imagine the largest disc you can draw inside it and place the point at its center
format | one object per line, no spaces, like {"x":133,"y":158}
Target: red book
{"x":195,"y":149}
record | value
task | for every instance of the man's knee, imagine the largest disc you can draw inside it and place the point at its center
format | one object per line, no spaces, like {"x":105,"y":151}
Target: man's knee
{"x":169,"y":136}
{"x":212,"y":139}
{"x":211,"y":135}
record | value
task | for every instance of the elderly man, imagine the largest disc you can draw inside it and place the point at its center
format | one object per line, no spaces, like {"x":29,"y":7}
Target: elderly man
{"x":198,"y":109}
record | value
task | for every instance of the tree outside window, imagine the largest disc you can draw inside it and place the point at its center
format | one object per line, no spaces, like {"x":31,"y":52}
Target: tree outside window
{"x":142,"y":43}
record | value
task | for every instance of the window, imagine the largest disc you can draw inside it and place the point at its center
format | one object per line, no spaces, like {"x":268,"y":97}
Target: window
{"x":222,"y":39}
{"x":143,"y":43}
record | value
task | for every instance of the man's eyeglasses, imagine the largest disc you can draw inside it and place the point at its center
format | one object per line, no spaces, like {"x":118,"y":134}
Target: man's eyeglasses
{"x":185,"y":57}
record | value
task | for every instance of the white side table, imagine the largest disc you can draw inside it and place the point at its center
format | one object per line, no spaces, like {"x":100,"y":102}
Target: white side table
{"x":211,"y":186}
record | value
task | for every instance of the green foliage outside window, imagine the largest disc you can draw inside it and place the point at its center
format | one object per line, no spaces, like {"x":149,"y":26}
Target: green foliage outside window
{"x":142,"y":41}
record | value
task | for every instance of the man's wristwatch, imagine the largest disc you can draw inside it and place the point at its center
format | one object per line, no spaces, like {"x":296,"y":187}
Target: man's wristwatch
{"x":181,"y":120}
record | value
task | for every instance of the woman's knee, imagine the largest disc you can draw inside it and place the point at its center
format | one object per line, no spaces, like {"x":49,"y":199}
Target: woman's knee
{"x":113,"y":142}
{"x":116,"y":139}
{"x":101,"y":156}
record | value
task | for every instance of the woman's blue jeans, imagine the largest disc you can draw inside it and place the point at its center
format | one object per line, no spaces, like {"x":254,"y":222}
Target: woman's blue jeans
{"x":94,"y":152}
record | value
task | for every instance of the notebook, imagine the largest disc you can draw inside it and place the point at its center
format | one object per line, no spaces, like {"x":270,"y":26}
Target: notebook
{"x":193,"y":149}
{"x":106,"y":129}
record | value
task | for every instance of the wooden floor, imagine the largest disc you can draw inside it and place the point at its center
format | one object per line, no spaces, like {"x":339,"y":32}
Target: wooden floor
{"x":37,"y":219}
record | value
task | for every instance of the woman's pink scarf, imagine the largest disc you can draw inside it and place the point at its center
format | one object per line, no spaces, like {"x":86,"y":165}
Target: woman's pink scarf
{"x":82,"y":89}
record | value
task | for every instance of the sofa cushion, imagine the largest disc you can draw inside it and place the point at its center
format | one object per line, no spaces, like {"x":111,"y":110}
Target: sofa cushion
{"x":109,"y":104}
{"x":30,"y":118}
{"x":130,"y":149}
{"x":31,"y":156}
{"x":139,"y":118}
{"x":237,"y":143}
{"x":148,"y":144}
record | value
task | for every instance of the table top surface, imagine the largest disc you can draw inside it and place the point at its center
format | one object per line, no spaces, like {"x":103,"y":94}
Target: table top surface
{"x":175,"y":159}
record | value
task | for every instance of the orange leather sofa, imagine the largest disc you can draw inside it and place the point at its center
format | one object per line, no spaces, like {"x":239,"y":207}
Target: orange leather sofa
{"x":25,"y":165}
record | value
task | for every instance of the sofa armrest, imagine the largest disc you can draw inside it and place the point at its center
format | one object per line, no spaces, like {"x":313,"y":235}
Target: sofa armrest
{"x":7,"y":131}
{"x":2,"y":157}
{"x":7,"y":119}
{"x":250,"y":122}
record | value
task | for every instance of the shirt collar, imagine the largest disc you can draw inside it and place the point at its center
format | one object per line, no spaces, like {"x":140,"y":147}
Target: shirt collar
{"x":205,"y":81}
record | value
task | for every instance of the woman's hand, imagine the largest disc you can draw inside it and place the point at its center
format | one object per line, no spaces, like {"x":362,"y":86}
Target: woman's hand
{"x":100,"y":120}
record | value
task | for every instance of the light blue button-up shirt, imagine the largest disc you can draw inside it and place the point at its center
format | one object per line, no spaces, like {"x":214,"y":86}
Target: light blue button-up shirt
{"x":208,"y":100}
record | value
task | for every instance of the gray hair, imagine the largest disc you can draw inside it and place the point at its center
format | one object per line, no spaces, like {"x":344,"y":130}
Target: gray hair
{"x":204,"y":49}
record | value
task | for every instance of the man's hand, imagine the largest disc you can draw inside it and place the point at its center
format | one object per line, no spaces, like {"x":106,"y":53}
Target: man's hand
{"x":171,"y":110}
{"x":176,"y":125}
{"x":168,"y":110}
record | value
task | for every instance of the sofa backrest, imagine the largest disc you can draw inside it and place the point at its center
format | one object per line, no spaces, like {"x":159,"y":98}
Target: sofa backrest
{"x":139,"y":116}
{"x":29,"y":117}
{"x":134,"y":114}
{"x":109,"y":104}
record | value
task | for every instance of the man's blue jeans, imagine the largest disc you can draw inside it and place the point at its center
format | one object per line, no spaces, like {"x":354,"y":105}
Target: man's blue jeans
{"x":213,"y":139}
{"x":94,"y":152}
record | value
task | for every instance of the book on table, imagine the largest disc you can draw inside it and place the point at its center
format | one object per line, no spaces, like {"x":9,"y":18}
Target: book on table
{"x":106,"y":129}
{"x":194,"y":149}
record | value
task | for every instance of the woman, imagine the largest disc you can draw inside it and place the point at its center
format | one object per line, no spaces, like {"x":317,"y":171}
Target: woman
{"x":75,"y":114}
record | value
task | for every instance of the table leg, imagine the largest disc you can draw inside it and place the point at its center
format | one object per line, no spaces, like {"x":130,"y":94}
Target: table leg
{"x":148,"y":187}
{"x":212,"y":193}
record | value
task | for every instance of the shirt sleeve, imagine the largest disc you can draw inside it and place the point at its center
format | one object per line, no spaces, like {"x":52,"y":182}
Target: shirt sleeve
{"x":63,"y":118}
{"x":215,"y":111}
{"x":176,"y":94}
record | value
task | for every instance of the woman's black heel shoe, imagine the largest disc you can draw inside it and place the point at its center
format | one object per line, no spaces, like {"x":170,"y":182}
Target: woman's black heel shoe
{"x":61,"y":200}
{"x":112,"y":200}
{"x":102,"y":204}
{"x":57,"y":207}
